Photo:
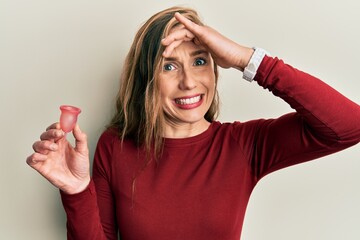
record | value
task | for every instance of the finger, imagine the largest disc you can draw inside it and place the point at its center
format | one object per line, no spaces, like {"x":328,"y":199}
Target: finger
{"x":44,"y":147}
{"x":53,"y":126}
{"x":52,"y":134}
{"x":35,"y":158}
{"x":190,"y":25}
{"x":169,"y":49}
{"x":174,"y":39}
{"x":80,"y":140}
{"x":180,"y":34}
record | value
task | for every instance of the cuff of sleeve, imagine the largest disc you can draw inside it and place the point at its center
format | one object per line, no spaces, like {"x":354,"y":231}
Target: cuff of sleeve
{"x":82,"y":212}
{"x":79,"y":201}
{"x":90,"y":189}
{"x":264,"y":69}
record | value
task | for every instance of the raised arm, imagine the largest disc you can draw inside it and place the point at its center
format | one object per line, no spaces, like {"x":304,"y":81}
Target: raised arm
{"x":325,"y":121}
{"x":225,"y":52}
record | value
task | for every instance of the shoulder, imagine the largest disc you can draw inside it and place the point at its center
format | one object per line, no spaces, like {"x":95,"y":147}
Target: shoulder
{"x":110,"y":141}
{"x":240,"y":131}
{"x":237,"y":125}
{"x":110,"y":134}
{"x":107,"y":140}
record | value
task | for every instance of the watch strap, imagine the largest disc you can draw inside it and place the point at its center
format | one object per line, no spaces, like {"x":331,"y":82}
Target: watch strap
{"x":254,"y":63}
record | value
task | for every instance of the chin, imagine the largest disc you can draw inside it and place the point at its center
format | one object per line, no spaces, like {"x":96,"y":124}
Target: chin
{"x":192,"y":119}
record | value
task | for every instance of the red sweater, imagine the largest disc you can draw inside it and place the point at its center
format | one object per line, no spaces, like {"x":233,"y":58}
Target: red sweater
{"x":200,"y":188}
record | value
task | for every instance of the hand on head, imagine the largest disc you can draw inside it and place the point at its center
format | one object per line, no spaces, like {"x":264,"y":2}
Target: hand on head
{"x":225,"y":52}
{"x":64,"y":166}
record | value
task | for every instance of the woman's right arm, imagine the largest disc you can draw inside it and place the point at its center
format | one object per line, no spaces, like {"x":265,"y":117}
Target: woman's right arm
{"x":91,"y":213}
{"x":68,"y":169}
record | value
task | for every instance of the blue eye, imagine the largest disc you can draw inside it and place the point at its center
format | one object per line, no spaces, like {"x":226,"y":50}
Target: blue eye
{"x":168,"y":67}
{"x":199,"y":62}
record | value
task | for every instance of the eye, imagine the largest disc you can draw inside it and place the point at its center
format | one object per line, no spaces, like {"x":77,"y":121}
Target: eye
{"x":199,"y":62}
{"x":168,"y":67}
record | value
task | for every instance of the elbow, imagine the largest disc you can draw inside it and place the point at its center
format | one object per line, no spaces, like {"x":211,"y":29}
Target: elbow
{"x":349,"y":137}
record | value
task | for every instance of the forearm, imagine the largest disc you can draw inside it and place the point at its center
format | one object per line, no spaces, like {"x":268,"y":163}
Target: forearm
{"x":83,"y":219}
{"x":331,"y":115}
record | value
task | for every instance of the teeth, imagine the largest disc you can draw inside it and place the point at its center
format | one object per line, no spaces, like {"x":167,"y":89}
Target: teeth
{"x":192,"y":100}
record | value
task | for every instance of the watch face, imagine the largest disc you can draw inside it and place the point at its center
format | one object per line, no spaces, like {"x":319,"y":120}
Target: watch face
{"x":252,"y":67}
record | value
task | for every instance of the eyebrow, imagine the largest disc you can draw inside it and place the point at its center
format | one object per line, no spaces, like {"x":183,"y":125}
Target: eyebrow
{"x":192,"y":54}
{"x":198,"y":52}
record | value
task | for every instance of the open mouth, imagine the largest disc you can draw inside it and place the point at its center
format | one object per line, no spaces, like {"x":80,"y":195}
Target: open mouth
{"x":188,"y":101}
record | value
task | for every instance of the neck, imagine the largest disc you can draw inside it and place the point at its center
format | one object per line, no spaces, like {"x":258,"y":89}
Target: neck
{"x":185,"y":130}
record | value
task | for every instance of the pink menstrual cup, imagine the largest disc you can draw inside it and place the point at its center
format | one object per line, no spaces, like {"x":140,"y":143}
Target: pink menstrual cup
{"x":68,"y":117}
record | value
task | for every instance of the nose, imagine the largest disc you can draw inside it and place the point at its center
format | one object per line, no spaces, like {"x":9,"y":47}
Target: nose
{"x":188,"y":80}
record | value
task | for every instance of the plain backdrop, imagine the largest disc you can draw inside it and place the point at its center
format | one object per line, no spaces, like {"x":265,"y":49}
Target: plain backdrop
{"x":71,"y":52}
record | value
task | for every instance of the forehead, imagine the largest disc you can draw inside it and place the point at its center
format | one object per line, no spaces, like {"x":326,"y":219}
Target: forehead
{"x":176,"y":27}
{"x":188,"y":48}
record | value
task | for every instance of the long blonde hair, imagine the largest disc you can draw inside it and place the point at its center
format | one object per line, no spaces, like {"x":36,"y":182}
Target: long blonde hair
{"x":139,"y":115}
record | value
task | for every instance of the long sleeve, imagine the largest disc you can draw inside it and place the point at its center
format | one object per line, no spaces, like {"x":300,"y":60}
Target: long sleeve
{"x":225,"y":159}
{"x":102,"y":178}
{"x":82,"y":213}
{"x":91,"y":213}
{"x":324,"y":122}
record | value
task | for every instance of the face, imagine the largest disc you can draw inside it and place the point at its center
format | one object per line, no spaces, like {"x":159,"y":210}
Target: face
{"x":187,"y":84}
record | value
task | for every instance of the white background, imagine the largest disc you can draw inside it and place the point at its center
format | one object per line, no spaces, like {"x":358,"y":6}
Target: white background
{"x":71,"y":52}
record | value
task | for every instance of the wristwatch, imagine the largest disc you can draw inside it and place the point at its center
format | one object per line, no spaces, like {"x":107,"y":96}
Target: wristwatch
{"x":254,"y":63}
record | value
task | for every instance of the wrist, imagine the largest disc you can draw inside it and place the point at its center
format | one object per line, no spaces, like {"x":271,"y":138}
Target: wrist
{"x":253,"y":64}
{"x":246,"y":54}
{"x":78,"y":187}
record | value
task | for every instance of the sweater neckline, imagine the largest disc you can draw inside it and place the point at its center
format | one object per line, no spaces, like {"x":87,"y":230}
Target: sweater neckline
{"x":176,"y":142}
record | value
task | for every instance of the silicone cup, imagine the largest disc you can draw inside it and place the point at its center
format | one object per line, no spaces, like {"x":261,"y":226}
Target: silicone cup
{"x":68,"y":117}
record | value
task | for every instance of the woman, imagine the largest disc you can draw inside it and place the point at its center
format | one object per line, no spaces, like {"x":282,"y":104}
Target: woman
{"x":164,"y":168}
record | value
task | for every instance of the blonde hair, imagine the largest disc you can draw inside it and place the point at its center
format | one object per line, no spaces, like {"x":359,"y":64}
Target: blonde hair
{"x":139,"y":115}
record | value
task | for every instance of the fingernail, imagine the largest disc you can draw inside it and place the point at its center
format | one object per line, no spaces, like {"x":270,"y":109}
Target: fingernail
{"x":59,"y":133}
{"x":53,"y":146}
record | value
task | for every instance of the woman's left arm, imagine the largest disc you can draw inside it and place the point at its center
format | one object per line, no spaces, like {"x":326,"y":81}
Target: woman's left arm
{"x":327,"y":111}
{"x":325,"y":121}
{"x":330,"y":114}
